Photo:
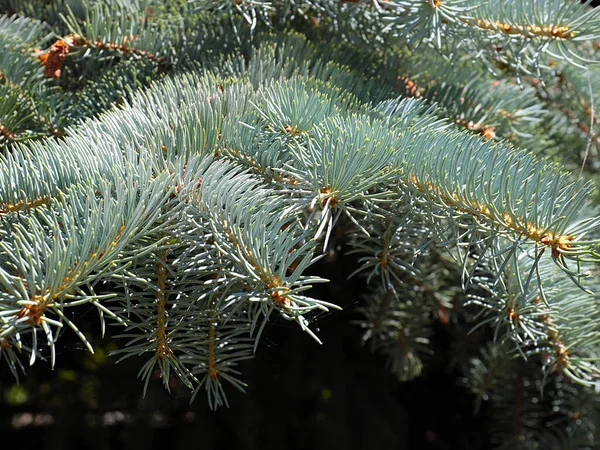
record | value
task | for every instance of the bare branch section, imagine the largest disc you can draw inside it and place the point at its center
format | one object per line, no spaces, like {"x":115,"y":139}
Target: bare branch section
{"x":23,"y":205}
{"x":162,"y":348}
{"x":54,"y":58}
{"x":527,"y":31}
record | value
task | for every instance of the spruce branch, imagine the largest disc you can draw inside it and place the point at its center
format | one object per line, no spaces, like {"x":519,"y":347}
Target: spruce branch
{"x":23,"y":31}
{"x":48,"y":258}
{"x":516,"y":32}
{"x":133,"y":33}
{"x":263,"y":242}
{"x":558,"y":322}
{"x":514,"y":202}
{"x":193,"y":212}
{"x":522,"y":409}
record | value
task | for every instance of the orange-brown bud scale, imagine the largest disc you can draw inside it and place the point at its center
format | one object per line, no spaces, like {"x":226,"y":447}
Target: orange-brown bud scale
{"x":289,"y":129}
{"x":54,"y":58}
{"x":7,"y":133}
{"x":327,"y":192}
{"x":411,"y":89}
{"x":511,"y":314}
{"x":487,"y":131}
{"x":443,"y":314}
{"x":33,"y":312}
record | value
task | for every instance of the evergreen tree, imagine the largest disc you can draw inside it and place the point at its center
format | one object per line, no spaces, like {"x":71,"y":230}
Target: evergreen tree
{"x":181,"y":166}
